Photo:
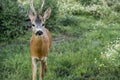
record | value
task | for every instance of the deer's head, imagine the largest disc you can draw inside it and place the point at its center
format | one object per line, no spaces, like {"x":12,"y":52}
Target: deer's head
{"x":37,"y":20}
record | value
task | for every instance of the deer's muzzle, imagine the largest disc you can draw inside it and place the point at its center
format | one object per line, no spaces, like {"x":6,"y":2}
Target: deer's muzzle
{"x":39,"y":33}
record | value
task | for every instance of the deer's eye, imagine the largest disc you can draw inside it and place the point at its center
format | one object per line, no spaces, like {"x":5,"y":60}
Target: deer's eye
{"x":33,"y":25}
{"x":43,"y":24}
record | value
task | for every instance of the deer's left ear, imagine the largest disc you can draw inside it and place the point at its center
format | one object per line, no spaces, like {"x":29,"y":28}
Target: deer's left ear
{"x":47,"y":14}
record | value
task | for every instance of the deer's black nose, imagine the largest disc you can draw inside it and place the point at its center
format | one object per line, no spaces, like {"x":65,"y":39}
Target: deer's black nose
{"x":39,"y":33}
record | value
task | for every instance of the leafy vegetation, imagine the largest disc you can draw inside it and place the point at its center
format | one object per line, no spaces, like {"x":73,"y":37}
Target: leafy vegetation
{"x":86,"y":44}
{"x":12,"y":20}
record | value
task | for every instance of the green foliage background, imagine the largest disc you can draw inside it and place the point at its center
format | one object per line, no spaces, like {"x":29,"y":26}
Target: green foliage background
{"x":86,"y":40}
{"x":12,"y":20}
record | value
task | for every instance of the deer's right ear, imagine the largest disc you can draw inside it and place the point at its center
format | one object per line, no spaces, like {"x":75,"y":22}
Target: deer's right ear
{"x":31,"y":14}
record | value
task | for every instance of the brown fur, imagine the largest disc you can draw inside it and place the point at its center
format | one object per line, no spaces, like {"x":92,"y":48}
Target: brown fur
{"x":39,"y":46}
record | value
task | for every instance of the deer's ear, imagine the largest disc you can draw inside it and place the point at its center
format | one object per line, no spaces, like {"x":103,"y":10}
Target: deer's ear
{"x":47,"y":14}
{"x":31,"y":14}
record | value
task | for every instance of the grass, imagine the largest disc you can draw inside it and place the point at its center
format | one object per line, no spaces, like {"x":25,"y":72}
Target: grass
{"x":71,"y":58}
{"x":85,"y":48}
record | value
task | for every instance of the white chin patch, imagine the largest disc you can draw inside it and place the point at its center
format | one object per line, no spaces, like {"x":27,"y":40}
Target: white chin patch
{"x":39,"y":36}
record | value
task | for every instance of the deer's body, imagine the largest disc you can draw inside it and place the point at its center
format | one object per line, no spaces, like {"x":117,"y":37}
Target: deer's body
{"x":39,"y":46}
{"x":41,"y":40}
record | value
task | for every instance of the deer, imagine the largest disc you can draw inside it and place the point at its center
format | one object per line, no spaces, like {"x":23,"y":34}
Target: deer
{"x":41,"y":40}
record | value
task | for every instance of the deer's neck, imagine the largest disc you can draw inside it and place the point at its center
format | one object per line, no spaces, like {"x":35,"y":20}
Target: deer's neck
{"x":37,"y":39}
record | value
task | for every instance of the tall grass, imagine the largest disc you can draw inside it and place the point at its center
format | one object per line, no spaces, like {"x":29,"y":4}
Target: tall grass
{"x":87,"y":48}
{"x":74,"y":58}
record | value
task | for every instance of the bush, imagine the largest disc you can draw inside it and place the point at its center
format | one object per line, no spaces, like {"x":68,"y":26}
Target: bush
{"x":116,"y":7}
{"x":52,"y":22}
{"x":112,"y":2}
{"x":88,"y":2}
{"x":12,"y":19}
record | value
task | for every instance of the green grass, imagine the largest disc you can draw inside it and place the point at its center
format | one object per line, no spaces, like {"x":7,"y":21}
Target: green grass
{"x":86,"y":47}
{"x":75,"y":57}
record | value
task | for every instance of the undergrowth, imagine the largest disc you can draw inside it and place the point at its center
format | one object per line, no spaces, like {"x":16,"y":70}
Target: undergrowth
{"x":86,"y":47}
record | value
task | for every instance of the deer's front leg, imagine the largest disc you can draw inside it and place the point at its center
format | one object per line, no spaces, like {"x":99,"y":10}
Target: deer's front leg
{"x":34,"y":68}
{"x":43,"y":68}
